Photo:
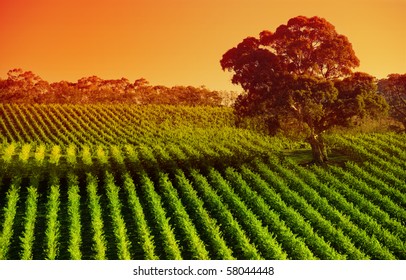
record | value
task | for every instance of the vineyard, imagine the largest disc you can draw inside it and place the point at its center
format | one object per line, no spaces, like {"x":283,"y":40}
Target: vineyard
{"x":165,"y":182}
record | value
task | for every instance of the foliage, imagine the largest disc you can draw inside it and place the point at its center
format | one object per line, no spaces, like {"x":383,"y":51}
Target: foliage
{"x":10,"y":211}
{"x":28,"y":238}
{"x":214,"y":192}
{"x":296,"y":73}
{"x":104,"y":124}
{"x":52,"y":231}
{"x":99,"y":245}
{"x":75,"y":229}
{"x":26,"y":87}
{"x":393,"y":89}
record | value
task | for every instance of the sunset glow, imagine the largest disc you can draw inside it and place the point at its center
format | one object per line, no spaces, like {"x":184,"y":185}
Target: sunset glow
{"x":179,"y":42}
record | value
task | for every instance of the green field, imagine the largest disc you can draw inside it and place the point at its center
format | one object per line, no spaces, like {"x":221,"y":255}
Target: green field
{"x":166,"y":182}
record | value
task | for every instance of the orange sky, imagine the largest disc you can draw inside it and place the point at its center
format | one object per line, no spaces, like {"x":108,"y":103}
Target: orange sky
{"x":179,"y":42}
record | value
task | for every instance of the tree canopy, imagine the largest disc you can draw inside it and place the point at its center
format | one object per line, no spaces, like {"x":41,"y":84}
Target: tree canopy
{"x":27,"y":87}
{"x":393,"y":88}
{"x":303,"y":71}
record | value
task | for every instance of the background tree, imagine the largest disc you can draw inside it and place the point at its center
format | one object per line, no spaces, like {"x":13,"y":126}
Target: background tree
{"x":393,"y":88}
{"x":302,"y":71}
{"x":24,"y":86}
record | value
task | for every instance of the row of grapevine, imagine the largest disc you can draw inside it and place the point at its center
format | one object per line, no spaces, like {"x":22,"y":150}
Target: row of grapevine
{"x":162,"y":182}
{"x":207,"y":226}
{"x":376,"y":185}
{"x":162,"y":229}
{"x":105,"y":124}
{"x":99,"y":240}
{"x":273,"y":210}
{"x":52,"y":231}
{"x":144,"y":235}
{"x":349,"y":210}
{"x":357,"y":235}
{"x":321,"y":225}
{"x":120,"y":231}
{"x":263,"y":239}
{"x":232,"y":230}
{"x":28,"y":237}
{"x":288,"y":215}
{"x":9,"y":211}
{"x":372,"y":194}
{"x":192,"y":242}
{"x":361,"y":211}
{"x":365,"y":154}
{"x":295,"y":248}
{"x":388,"y":143}
{"x":75,"y":218}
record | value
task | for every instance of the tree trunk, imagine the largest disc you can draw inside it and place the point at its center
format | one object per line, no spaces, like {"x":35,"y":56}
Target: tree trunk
{"x":318,"y":148}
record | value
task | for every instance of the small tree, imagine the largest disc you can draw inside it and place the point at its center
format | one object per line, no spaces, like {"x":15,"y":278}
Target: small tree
{"x":394,"y":90}
{"x":302,"y":71}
